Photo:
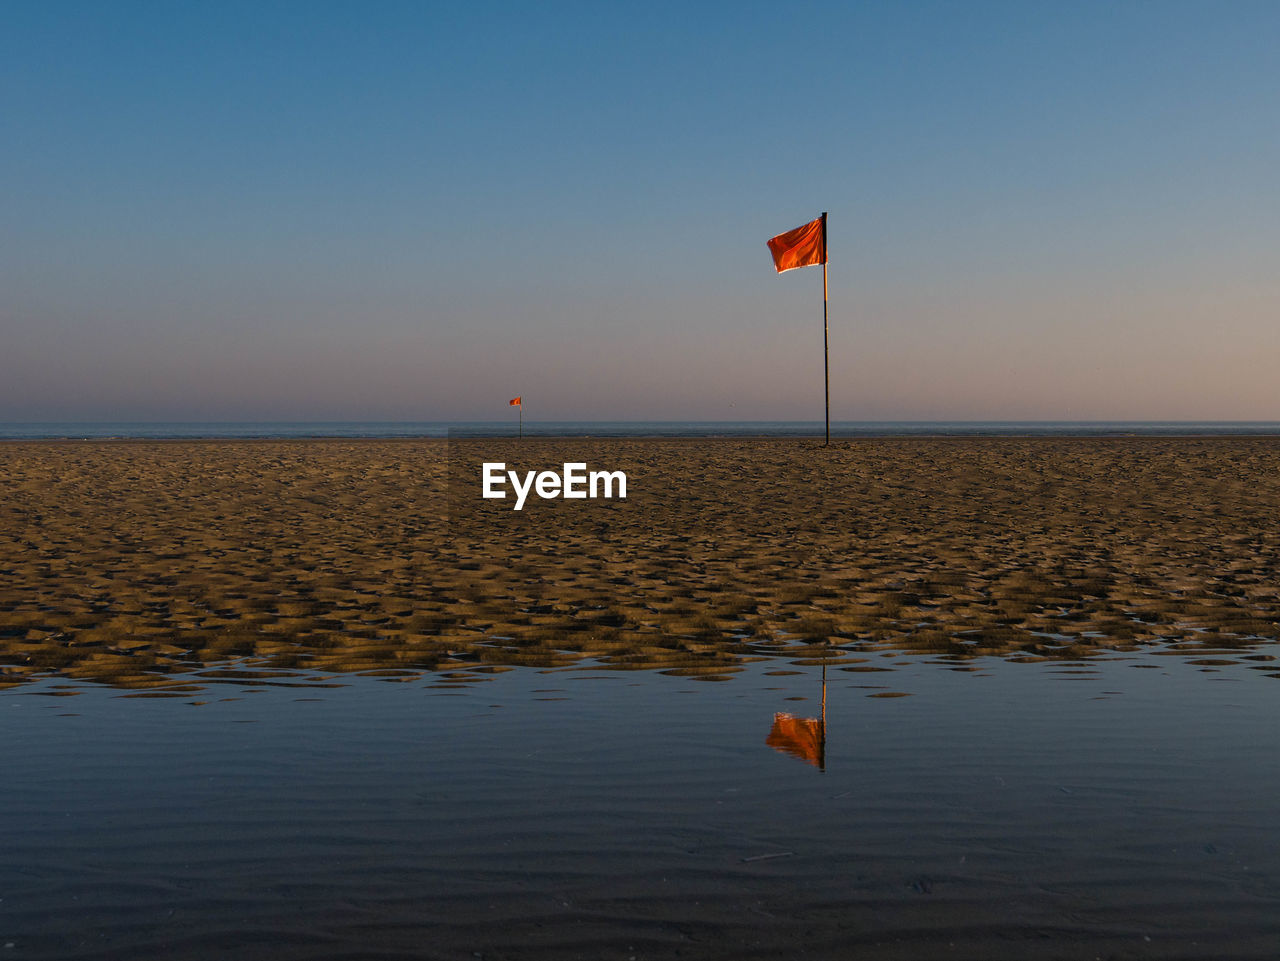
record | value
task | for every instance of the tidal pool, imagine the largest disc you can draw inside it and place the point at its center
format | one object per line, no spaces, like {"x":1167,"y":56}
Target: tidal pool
{"x":1119,"y":806}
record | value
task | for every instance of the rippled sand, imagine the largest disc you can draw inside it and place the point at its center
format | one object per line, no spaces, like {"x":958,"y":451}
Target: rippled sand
{"x":1001,"y":814}
{"x":165,"y":566}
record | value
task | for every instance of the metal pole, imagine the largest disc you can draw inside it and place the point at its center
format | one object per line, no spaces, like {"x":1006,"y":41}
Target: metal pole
{"x":826,"y":370}
{"x":520,"y":408}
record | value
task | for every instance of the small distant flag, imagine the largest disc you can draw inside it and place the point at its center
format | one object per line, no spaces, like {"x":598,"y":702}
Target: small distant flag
{"x":806,"y":246}
{"x":514,"y":402}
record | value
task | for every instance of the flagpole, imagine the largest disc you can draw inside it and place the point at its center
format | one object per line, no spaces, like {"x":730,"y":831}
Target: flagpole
{"x":826,"y":370}
{"x":520,"y":408}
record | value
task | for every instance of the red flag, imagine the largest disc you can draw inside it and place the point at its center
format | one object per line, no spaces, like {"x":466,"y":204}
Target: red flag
{"x":514,"y":402}
{"x":802,"y":247}
{"x":802,"y":737}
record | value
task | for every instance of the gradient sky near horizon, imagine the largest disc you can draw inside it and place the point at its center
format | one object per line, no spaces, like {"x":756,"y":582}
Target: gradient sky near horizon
{"x":385,"y":211}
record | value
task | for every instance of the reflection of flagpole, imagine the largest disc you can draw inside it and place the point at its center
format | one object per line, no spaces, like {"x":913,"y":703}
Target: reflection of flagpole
{"x":822,"y":727}
{"x":826,"y":372}
{"x":824,"y":700}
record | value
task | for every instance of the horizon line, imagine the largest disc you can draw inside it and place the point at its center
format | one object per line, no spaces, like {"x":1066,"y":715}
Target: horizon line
{"x":447,"y":422}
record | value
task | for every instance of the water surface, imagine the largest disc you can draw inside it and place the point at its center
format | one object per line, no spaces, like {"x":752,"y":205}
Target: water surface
{"x":150,"y":430}
{"x":1116,"y":806}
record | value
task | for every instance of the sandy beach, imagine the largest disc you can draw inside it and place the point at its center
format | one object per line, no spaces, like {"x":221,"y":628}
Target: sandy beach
{"x":313,"y":699}
{"x":145,"y":564}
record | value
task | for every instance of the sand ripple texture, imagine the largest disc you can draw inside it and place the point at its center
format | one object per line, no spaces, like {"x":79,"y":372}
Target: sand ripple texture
{"x":165,"y":567}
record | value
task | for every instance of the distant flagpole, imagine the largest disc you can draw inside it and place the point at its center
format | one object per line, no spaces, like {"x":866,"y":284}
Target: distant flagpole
{"x":518,"y":403}
{"x":806,"y":246}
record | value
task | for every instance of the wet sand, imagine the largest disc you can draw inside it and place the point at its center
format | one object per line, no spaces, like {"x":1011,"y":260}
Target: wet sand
{"x":166,"y":566}
{"x":1072,"y":807}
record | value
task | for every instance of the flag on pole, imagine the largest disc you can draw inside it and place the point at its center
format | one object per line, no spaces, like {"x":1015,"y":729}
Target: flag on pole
{"x":806,"y":246}
{"x":803,"y":247}
{"x":514,"y":402}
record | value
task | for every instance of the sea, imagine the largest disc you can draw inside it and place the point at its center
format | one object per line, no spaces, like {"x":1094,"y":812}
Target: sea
{"x":150,"y":430}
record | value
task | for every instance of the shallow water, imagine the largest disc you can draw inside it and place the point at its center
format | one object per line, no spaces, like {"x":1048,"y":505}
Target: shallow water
{"x":1120,"y":806}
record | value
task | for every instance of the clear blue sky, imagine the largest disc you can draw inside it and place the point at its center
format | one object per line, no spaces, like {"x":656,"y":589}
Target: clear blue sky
{"x":262,"y":211}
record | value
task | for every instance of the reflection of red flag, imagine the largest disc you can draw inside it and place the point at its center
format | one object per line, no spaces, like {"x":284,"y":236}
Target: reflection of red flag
{"x":802,"y":247}
{"x":802,"y":737}
{"x":514,"y":402}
